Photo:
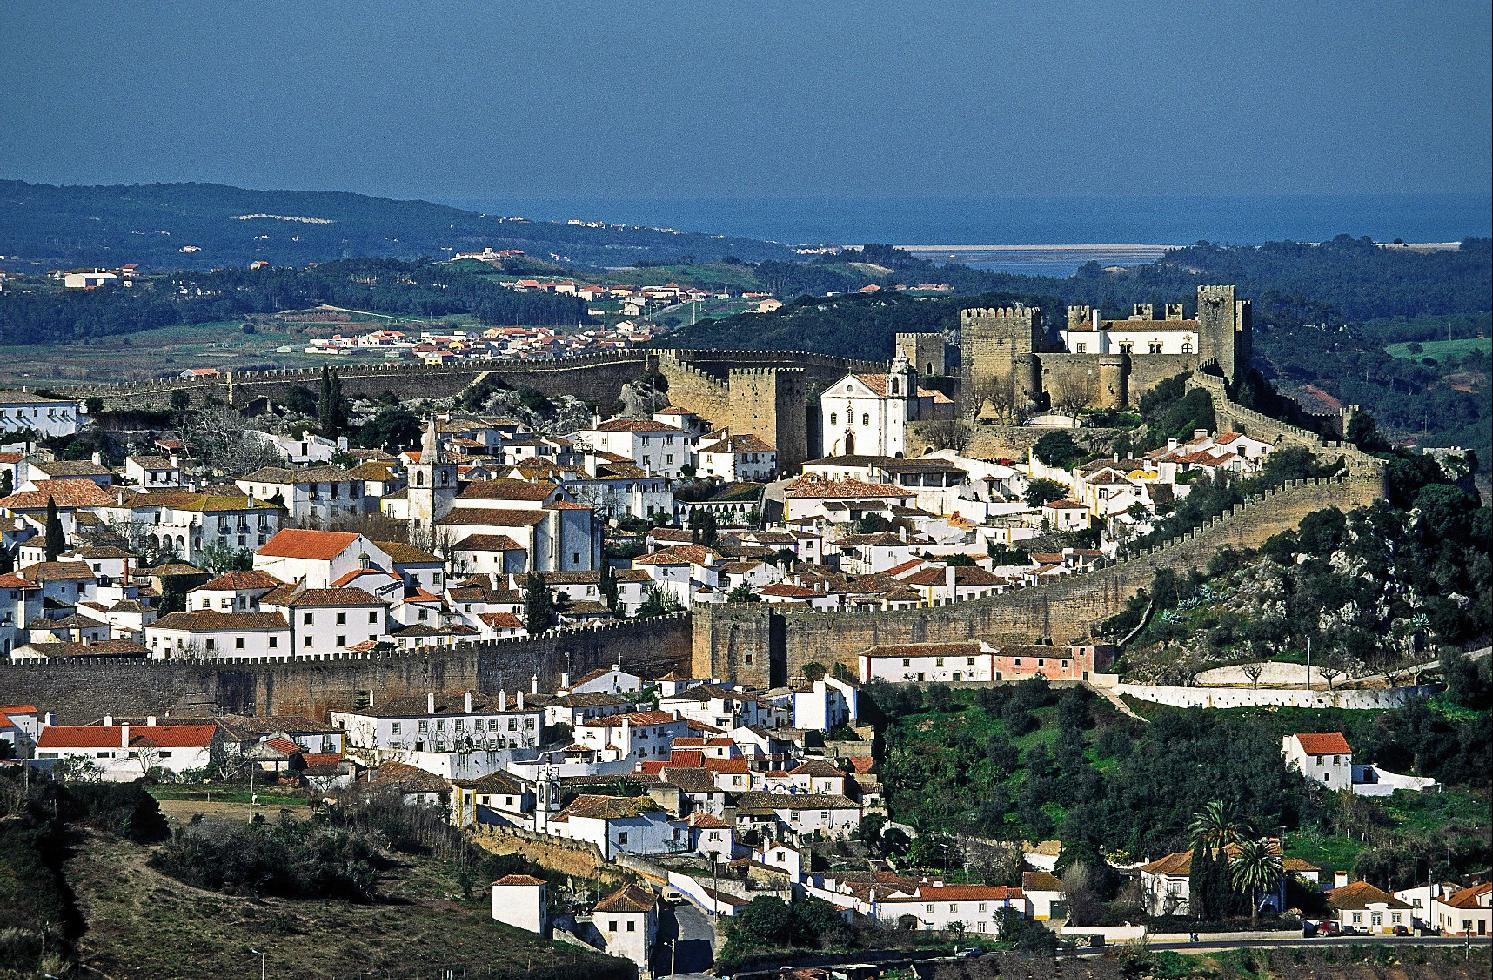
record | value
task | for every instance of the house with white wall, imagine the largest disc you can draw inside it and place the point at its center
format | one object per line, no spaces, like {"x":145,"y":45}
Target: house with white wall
{"x":1324,"y":758}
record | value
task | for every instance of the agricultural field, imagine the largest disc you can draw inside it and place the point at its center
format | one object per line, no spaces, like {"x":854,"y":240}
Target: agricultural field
{"x":1441,"y":351}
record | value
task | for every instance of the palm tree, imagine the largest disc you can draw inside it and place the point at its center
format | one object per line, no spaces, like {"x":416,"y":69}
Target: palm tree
{"x":1213,"y":827}
{"x":1255,"y":868}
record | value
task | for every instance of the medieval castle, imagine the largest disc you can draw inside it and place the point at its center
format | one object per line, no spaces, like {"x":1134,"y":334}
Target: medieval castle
{"x":1010,"y":368}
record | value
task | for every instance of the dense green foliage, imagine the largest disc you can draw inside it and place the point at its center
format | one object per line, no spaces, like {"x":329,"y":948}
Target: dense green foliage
{"x":287,"y":858}
{"x":1027,"y":762}
{"x":1378,"y":588}
{"x":150,"y":223}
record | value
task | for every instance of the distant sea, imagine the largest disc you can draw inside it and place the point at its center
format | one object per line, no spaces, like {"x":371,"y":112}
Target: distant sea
{"x":1179,"y":220}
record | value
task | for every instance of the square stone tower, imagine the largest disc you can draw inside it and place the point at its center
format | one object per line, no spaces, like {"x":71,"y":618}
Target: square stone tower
{"x":997,"y":347}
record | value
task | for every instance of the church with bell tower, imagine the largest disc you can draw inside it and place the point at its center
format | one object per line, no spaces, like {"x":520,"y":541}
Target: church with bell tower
{"x":432,"y":481}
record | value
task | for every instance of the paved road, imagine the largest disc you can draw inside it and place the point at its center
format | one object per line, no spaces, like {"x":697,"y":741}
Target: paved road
{"x":686,"y":942}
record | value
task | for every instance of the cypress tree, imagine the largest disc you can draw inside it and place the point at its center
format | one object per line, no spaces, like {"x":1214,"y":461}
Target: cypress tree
{"x":56,"y":541}
{"x":539,"y":605}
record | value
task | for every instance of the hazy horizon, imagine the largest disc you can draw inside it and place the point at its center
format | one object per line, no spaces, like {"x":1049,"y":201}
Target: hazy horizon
{"x":650,"y":101}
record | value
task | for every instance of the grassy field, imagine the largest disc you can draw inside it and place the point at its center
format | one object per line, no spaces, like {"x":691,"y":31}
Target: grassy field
{"x":141,"y":923}
{"x":1441,"y":350}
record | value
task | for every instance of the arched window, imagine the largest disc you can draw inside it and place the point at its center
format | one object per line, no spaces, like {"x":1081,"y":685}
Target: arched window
{"x":894,"y":386}
{"x":419,"y":479}
{"x":1187,"y":347}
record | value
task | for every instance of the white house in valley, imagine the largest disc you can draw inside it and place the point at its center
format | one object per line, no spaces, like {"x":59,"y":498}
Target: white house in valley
{"x":124,"y":753}
{"x":520,"y":901}
{"x":1322,"y":757}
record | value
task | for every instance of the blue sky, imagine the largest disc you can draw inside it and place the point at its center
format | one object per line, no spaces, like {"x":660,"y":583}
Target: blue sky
{"x":776,"y":100}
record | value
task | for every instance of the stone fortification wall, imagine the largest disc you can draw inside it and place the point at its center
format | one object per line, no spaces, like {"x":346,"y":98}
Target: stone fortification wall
{"x":765,"y":645}
{"x":80,"y":690}
{"x":1213,"y":697}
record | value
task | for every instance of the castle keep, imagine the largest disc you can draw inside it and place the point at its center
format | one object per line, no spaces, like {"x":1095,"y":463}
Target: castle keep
{"x":1011,"y":367}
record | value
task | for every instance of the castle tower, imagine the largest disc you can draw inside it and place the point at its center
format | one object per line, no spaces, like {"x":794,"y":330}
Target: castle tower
{"x":1224,"y":331}
{"x":926,"y":351}
{"x":1113,"y":371}
{"x":992,"y":343}
{"x":432,"y":480}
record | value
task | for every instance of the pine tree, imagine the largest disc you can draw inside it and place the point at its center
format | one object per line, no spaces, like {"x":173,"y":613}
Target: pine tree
{"x":56,"y":541}
{"x":539,"y":605}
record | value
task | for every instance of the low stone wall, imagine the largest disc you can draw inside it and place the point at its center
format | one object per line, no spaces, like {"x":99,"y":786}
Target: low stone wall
{"x":572,"y":857}
{"x":1215,"y":697}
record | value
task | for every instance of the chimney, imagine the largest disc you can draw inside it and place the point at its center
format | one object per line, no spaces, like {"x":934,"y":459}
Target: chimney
{"x":124,"y":736}
{"x":108,"y":721}
{"x":430,"y":702}
{"x":1171,"y":444}
{"x":534,"y":684}
{"x":948,"y":576}
{"x":150,"y":721}
{"x":1200,"y":433}
{"x":520,"y":699}
{"x":564,"y":680}
{"x":1339,"y":879}
{"x":466,"y":703}
{"x":98,"y":458}
{"x":617,"y":667}
{"x":502,"y":700}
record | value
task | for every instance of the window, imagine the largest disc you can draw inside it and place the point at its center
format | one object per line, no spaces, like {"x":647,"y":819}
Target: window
{"x":238,"y":643}
{"x":307,"y":642}
{"x":834,"y":418}
{"x":611,"y":925}
{"x":621,"y":839}
{"x":1155,"y":347}
{"x":865,"y":418}
{"x":373,"y":619}
{"x":342,"y":619}
{"x":632,"y":926}
{"x":274,"y":641}
{"x":306,"y":619}
{"x":394,"y":727}
{"x":1082,"y":349}
{"x":341,"y":640}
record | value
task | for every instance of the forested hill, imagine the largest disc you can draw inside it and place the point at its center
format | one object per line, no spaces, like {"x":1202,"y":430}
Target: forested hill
{"x":151,"y":224}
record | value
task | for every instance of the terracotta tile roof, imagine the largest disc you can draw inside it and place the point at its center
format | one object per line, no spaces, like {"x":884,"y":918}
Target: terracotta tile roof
{"x":761,"y":802}
{"x":815,"y":487}
{"x":633,"y":425}
{"x":518,"y":880}
{"x":111,"y":736}
{"x":1176,"y":864}
{"x":409,"y":779}
{"x":707,"y":821}
{"x":313,"y":545}
{"x":506,"y":489}
{"x":726,"y":767}
{"x":628,"y":899}
{"x":57,"y":571}
{"x":969,"y":576}
{"x":1468,"y":898}
{"x":1360,"y":895}
{"x":407,"y":554}
{"x":501,"y":620}
{"x":969,"y":648}
{"x":335,"y":597}
{"x":816,"y":767}
{"x":787,"y":590}
{"x":960,"y":893}
{"x":633,"y":718}
{"x":67,"y":493}
{"x":608,"y":807}
{"x":1040,"y":881}
{"x":487,"y":542}
{"x":240,"y":581}
{"x":491,"y":517}
{"x":98,"y":648}
{"x":680,"y":554}
{"x":212,"y":621}
{"x":1323,"y":743}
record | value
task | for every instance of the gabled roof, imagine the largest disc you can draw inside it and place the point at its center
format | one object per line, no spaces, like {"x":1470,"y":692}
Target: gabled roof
{"x":628,"y":899}
{"x":1360,"y":895}
{"x":111,"y":736}
{"x":1323,"y":743}
{"x":67,"y":494}
{"x":294,"y":542}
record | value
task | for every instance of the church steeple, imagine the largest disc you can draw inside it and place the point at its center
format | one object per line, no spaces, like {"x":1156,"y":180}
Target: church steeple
{"x":430,"y":443}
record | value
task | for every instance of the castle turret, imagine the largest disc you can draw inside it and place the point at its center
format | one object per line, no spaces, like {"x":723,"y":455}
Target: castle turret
{"x":1113,"y":371}
{"x":1224,"y":331}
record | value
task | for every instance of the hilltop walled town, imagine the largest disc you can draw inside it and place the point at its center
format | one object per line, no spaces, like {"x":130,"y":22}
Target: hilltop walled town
{"x":482,"y":573}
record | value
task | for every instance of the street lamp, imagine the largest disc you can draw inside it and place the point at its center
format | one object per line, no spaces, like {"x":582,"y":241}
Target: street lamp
{"x":261,"y":961}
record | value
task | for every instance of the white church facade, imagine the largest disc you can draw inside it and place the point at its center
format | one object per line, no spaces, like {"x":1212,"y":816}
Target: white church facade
{"x":867,"y":414}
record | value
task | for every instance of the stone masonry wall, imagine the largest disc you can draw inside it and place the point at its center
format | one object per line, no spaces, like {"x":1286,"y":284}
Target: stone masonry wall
{"x":80,"y":691}
{"x":760,"y":644}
